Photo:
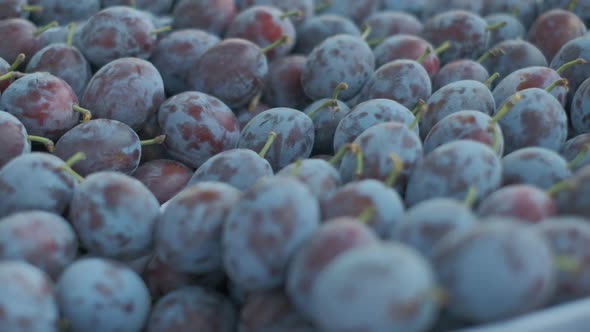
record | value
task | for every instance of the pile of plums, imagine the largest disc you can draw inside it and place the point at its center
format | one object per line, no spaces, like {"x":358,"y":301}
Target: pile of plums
{"x":292,"y":165}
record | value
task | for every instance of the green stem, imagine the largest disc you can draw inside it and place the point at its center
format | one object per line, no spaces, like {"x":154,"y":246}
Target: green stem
{"x":421,"y":109}
{"x":374,"y":42}
{"x":443,"y":47}
{"x":154,"y":141}
{"x":424,"y":55}
{"x":281,"y":41}
{"x":254,"y":102}
{"x":568,"y":264}
{"x":76,"y":158}
{"x":322,"y":6}
{"x":339,"y":155}
{"x":20,"y":58}
{"x":161,"y":30}
{"x":560,"y":82}
{"x":271,"y":139}
{"x":491,"y":80}
{"x":42,"y":29}
{"x":296,"y":13}
{"x":571,"y":6}
{"x":496,"y":26}
{"x":49,"y":145}
{"x":471,"y":197}
{"x":298,"y":167}
{"x":8,"y":76}
{"x":366,"y":215}
{"x":367,"y":29}
{"x":71,"y":30}
{"x":506,"y":108}
{"x":86,"y":114}
{"x":398,"y":168}
{"x":494,"y":52}
{"x":560,"y":187}
{"x":327,"y":103}
{"x":31,"y":8}
{"x":574,"y":163}
{"x":567,"y":65}
{"x":339,"y":88}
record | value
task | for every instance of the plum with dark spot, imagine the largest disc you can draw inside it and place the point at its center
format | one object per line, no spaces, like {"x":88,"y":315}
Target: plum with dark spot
{"x":367,"y":114}
{"x":459,"y":70}
{"x":389,"y":23}
{"x":575,"y":146}
{"x":128,"y":90}
{"x":512,"y":260}
{"x":405,"y":81}
{"x":233,"y":70}
{"x":294,"y":132}
{"x":378,"y":304}
{"x":268,"y":311}
{"x":107,"y":296}
{"x":338,"y":59}
{"x":474,"y":125}
{"x":188,"y":234}
{"x":27,"y":299}
{"x":160,"y":7}
{"x":117,"y":32}
{"x":465,"y":30}
{"x":534,"y":166}
{"x":211,"y":16}
{"x":452,"y":169}
{"x":19,"y":36}
{"x":176,"y":53}
{"x":521,"y":201}
{"x":265,"y":229}
{"x":553,"y":28}
{"x":43,"y":239}
{"x":63,"y":11}
{"x":570,"y":51}
{"x":569,"y":238}
{"x":404,"y":46}
{"x":427,"y":223}
{"x":377,"y":145}
{"x":64,"y":61}
{"x":240,"y":168}
{"x":537,"y":119}
{"x":379,"y":204}
{"x":35,"y":181}
{"x":45,"y":104}
{"x":321,"y":177}
{"x":517,"y":54}
{"x":163,"y":177}
{"x":264,"y":25}
{"x":455,"y":97}
{"x":357,"y":10}
{"x":512,"y":28}
{"x":114,"y":215}
{"x":283,"y":83}
{"x":333,"y":238}
{"x":313,"y":31}
{"x":192,"y":309}
{"x":108,"y":145}
{"x":197,"y":126}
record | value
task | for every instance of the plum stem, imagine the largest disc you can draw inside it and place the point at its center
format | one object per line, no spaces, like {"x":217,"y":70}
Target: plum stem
{"x":132,"y":4}
{"x":327,"y":103}
{"x":356,"y":149}
{"x":424,"y":55}
{"x":272,"y":136}
{"x":398,"y":168}
{"x":491,"y":80}
{"x":339,"y":155}
{"x":32,"y":8}
{"x":298,"y":167}
{"x":566,"y":263}
{"x":292,"y":13}
{"x":494,"y":52}
{"x":375,"y":41}
{"x":322,"y":6}
{"x":560,"y":82}
{"x":71,"y":30}
{"x":367,"y":214}
{"x":68,"y":164}
{"x":44,"y":28}
{"x":571,"y":6}
{"x":508,"y":105}
{"x":567,"y":65}
{"x":281,"y":41}
{"x":574,"y":163}
{"x":20,"y":58}
{"x":471,"y":197}
{"x":254,"y":102}
{"x":367,"y":29}
{"x":496,"y":134}
{"x":154,"y":141}
{"x":443,"y":47}
{"x":440,"y":296}
{"x":496,"y":26}
{"x":560,"y":187}
{"x":8,"y":76}
{"x":421,"y":109}
{"x":339,"y":88}
{"x":161,"y":30}
{"x":86,"y":114}
{"x":49,"y":145}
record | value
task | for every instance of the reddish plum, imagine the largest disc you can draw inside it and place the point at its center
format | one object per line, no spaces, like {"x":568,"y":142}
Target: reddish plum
{"x":313,"y":31}
{"x":403,"y":46}
{"x":283,"y":84}
{"x":20,"y":36}
{"x":459,"y":70}
{"x":321,"y":177}
{"x":517,"y":54}
{"x":553,"y":28}
{"x":520,"y":201}
{"x":534,"y":166}
{"x":388,"y":23}
{"x":163,"y":177}
{"x":211,"y":16}
{"x":63,"y":11}
{"x":512,"y":28}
